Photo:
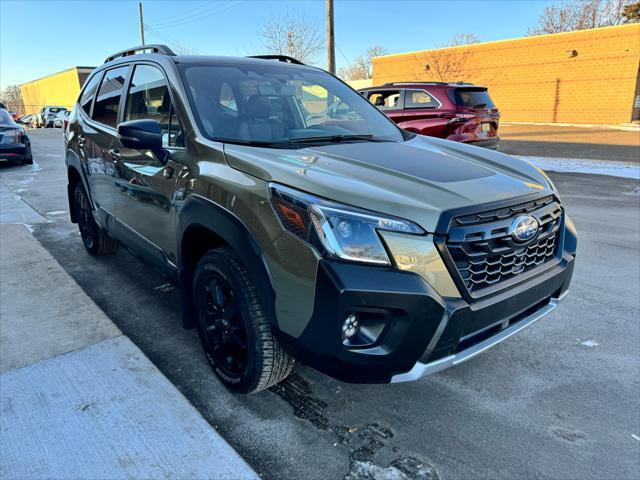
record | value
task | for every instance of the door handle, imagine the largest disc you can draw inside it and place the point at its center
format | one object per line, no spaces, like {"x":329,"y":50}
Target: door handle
{"x":81,"y":140}
{"x":115,"y":154}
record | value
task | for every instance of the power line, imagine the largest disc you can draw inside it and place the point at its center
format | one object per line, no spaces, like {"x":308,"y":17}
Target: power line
{"x":176,"y":17}
{"x":343,"y":55}
{"x":201,"y":15}
{"x":179,"y":45}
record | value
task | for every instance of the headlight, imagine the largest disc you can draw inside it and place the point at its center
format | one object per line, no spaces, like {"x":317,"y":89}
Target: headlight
{"x":336,"y":230}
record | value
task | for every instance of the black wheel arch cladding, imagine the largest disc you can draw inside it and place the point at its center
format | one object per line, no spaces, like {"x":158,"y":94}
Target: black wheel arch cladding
{"x":200,"y":213}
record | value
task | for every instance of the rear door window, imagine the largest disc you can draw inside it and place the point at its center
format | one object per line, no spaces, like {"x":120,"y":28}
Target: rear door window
{"x":386,"y":99}
{"x":86,"y":99}
{"x":107,"y":102}
{"x":419,"y":99}
{"x":473,"y":98}
{"x":148,"y":99}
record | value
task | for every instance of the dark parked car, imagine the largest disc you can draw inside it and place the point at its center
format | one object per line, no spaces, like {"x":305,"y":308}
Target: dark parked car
{"x":14,"y":142}
{"x":300,"y":222}
{"x":461,"y":112}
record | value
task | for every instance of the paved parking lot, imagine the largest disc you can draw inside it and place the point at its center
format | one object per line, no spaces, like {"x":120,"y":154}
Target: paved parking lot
{"x":611,"y":144}
{"x":559,"y":400}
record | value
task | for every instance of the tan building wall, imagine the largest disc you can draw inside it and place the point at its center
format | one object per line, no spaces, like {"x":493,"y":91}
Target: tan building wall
{"x":587,"y":77}
{"x":358,"y":84}
{"x":60,"y":89}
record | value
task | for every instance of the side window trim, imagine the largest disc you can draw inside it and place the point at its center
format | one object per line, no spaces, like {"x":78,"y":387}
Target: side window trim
{"x":428,"y":93}
{"x":123,"y":94}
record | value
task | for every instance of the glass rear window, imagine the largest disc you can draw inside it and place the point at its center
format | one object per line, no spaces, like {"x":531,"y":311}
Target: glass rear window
{"x":473,"y":98}
{"x":6,"y":120}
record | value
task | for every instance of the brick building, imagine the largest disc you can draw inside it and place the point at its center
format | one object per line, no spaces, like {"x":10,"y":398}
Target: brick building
{"x":59,"y":89}
{"x":586,"y":77}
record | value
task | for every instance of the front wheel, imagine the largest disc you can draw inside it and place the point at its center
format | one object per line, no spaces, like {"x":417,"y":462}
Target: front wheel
{"x":233,"y":326}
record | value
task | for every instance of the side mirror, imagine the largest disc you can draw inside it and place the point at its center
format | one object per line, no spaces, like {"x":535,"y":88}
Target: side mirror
{"x":143,"y":135}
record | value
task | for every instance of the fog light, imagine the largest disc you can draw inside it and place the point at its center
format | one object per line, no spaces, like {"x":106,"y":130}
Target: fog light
{"x":350,"y":326}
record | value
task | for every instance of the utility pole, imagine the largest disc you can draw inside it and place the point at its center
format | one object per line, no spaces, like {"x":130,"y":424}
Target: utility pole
{"x":331,"y":50}
{"x":141,"y":22}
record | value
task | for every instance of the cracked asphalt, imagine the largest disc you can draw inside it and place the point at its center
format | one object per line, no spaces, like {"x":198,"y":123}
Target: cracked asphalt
{"x":559,"y":400}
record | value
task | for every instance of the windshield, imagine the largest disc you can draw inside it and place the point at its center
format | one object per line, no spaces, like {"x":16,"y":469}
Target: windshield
{"x":273,"y":104}
{"x":6,"y":120}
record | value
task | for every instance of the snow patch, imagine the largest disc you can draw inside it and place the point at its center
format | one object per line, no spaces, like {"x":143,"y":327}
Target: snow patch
{"x":590,"y":167}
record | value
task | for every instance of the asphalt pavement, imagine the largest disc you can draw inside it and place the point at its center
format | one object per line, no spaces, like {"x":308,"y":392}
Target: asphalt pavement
{"x":559,"y":400}
{"x":602,"y":143}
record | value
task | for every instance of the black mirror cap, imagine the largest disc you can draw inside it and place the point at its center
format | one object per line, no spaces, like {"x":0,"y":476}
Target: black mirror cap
{"x":140,"y":134}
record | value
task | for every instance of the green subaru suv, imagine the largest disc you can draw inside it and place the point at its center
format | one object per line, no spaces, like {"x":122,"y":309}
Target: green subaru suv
{"x":301,"y":223}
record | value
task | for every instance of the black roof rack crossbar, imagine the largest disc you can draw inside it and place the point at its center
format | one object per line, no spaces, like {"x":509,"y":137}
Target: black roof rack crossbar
{"x":141,"y":49}
{"x":280,"y":58}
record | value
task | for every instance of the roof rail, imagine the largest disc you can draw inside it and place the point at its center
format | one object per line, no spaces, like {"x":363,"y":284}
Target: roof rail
{"x":416,"y":83}
{"x":163,"y":49}
{"x":280,"y":58}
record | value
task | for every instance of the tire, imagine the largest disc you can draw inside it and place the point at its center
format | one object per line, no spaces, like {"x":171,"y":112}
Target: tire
{"x":28,"y":160}
{"x":233,"y":327}
{"x":95,"y":239}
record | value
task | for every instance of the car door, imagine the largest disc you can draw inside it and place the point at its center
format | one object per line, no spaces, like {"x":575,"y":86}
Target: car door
{"x":98,"y":136}
{"x":388,"y":101}
{"x":423,"y":114}
{"x":146,"y":191}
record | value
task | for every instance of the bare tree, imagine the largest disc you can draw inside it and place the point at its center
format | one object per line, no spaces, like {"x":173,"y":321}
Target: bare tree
{"x":449,"y":64}
{"x":293,"y":35}
{"x":462,"y":39}
{"x":361,"y":68}
{"x":12,"y":97}
{"x":632,"y":13}
{"x":571,"y":15}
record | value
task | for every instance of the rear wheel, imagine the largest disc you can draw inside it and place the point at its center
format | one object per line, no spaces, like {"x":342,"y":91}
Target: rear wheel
{"x":28,"y":160}
{"x":94,"y":238}
{"x":233,"y":326}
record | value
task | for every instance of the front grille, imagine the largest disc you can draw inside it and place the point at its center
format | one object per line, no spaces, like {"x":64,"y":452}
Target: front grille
{"x":483,"y":252}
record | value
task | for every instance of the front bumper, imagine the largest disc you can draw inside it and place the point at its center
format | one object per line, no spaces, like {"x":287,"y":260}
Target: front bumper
{"x":412,"y":330}
{"x":420,"y":369}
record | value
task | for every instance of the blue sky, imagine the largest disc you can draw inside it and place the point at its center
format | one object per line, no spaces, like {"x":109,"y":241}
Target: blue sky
{"x":42,"y":37}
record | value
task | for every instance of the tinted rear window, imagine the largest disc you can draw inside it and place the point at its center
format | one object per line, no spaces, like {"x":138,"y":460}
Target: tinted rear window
{"x":89,"y":92}
{"x":473,"y":98}
{"x":54,"y":110}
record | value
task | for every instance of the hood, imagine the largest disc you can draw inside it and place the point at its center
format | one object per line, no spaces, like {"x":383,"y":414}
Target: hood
{"x":417,"y":179}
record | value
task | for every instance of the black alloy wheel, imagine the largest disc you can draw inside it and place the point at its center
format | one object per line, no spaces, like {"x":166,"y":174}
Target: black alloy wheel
{"x":86,"y":223}
{"x":224,"y":330}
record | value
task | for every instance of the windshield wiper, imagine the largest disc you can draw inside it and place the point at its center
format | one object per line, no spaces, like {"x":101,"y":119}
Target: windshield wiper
{"x":336,"y":139}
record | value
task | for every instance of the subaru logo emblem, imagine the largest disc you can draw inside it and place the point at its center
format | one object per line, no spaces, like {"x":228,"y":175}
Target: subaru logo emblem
{"x":524,"y":228}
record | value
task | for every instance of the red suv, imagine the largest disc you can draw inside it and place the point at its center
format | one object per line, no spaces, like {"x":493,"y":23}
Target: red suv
{"x":461,"y":112}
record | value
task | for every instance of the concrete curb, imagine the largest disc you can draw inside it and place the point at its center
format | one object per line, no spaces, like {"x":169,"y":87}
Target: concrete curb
{"x":78,"y":398}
